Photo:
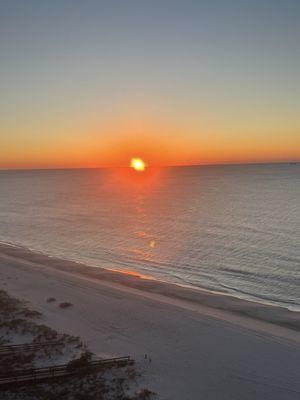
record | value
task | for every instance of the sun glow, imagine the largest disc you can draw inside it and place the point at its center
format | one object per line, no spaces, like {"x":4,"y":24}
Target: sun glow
{"x":137,"y":164}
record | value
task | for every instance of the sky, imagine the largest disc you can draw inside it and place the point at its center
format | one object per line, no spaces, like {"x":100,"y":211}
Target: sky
{"x":94,"y":83}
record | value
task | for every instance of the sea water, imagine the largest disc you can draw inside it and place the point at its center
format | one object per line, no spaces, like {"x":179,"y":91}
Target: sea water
{"x":230,"y":229}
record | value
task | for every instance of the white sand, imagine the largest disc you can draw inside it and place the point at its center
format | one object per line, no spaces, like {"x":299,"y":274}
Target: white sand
{"x":197,"y":352}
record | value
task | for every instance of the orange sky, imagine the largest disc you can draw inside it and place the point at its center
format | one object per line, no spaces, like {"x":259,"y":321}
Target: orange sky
{"x":202,"y":83}
{"x":115,"y":143}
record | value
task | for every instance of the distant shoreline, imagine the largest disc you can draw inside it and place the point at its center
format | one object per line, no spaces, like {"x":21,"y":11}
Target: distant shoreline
{"x":191,"y":297}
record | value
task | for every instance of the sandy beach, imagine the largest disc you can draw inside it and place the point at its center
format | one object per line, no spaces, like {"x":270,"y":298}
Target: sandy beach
{"x":201,"y":345}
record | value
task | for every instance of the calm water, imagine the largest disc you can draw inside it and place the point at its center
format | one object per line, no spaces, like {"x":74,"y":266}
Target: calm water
{"x":233,"y":229}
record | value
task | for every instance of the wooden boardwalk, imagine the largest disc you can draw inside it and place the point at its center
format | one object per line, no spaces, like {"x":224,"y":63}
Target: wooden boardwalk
{"x":31,"y":376}
{"x":27,"y":347}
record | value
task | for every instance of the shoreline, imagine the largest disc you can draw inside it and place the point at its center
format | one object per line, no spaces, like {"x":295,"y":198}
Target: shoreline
{"x":225,"y":303}
{"x":194,"y":351}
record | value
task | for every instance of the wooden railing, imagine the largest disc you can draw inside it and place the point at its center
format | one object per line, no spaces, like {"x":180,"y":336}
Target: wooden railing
{"x":27,"y":347}
{"x":39,"y":374}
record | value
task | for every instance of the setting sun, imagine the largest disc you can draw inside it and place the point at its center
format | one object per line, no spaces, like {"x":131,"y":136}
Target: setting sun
{"x":137,"y":164}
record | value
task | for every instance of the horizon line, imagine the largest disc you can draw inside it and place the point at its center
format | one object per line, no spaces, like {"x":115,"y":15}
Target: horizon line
{"x":151,"y":166}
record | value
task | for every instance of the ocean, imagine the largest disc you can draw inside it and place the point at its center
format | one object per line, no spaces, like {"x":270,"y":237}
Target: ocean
{"x":230,"y":229}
